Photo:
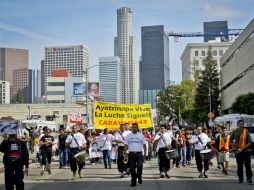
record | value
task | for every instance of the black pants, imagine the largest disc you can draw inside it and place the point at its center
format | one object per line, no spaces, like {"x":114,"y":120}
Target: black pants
{"x":164,"y":163}
{"x":177,"y":160}
{"x":120,"y":156}
{"x":46,"y":155}
{"x":199,"y":162}
{"x":243,"y":158}
{"x":136,"y":162}
{"x":14,"y":175}
{"x":73,"y":162}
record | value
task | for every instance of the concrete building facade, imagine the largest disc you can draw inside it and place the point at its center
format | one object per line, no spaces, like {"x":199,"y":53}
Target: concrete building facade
{"x":237,"y":68}
{"x":62,"y":89}
{"x":21,"y":111}
{"x":73,"y":58}
{"x":110,"y":79}
{"x":4,"y":92}
{"x":14,"y":69}
{"x":194,"y":54}
{"x":125,"y":49}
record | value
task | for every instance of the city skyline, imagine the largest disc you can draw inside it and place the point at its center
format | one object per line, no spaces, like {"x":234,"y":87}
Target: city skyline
{"x":34,"y":25}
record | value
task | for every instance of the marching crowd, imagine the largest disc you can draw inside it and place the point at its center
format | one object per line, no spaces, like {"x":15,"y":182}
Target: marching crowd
{"x":173,"y":148}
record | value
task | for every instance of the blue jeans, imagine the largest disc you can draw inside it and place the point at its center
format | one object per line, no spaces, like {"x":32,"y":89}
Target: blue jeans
{"x":63,"y":157}
{"x":107,"y":156}
{"x":183,"y":155}
{"x":189,"y":151}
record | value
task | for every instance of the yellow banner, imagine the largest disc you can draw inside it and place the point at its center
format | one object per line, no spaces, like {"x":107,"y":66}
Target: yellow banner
{"x":110,"y":115}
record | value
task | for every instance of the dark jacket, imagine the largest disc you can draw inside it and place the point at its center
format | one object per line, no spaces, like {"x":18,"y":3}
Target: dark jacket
{"x":5,"y":148}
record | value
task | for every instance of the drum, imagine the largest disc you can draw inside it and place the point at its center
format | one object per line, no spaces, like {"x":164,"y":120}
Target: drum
{"x":171,"y":154}
{"x":81,"y":156}
{"x":206,"y":154}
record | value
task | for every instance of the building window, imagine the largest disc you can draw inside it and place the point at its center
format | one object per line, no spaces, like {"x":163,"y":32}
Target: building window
{"x":196,"y":53}
{"x":221,"y":52}
{"x":203,"y":53}
{"x":55,"y":93}
{"x":214,"y":52}
{"x":56,"y":84}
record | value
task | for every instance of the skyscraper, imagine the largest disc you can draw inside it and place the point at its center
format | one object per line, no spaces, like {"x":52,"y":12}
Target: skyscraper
{"x":154,"y":63}
{"x":109,"y":76}
{"x":14,"y":69}
{"x":125,"y":49}
{"x":34,"y":89}
{"x":216,"y":27}
{"x":72,"y":58}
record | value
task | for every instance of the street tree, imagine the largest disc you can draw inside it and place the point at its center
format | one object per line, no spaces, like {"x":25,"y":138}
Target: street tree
{"x":244,"y":104}
{"x":207,"y":93}
{"x":19,"y":97}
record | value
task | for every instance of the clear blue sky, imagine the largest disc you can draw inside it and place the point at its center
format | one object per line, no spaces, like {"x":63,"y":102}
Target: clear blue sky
{"x":34,"y":24}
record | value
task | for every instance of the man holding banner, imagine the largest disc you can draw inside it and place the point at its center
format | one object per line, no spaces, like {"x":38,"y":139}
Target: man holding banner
{"x":135,"y":143}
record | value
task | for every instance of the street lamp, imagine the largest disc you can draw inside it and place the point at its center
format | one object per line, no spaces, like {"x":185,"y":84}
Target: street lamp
{"x":86,"y":72}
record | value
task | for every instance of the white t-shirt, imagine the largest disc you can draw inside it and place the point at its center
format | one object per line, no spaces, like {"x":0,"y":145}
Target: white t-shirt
{"x":125,"y":134}
{"x":162,"y":143}
{"x":170,"y":132}
{"x":119,"y":137}
{"x":107,"y":141}
{"x":79,"y":137}
{"x":203,"y":137}
{"x":135,"y":142}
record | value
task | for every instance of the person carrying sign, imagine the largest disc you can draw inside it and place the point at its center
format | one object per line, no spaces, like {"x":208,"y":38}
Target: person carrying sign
{"x":15,"y":158}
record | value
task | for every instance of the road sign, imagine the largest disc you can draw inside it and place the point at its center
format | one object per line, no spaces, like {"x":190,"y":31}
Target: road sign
{"x":210,"y":115}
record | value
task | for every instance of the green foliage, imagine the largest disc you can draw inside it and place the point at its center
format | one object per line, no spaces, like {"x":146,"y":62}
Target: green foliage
{"x":176,"y":96}
{"x":244,"y":104}
{"x":19,"y":97}
{"x":209,"y":78}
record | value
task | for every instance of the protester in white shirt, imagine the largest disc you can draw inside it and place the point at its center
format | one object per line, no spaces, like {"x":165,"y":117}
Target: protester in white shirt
{"x":135,"y":143}
{"x":77,"y":142}
{"x":163,"y":140}
{"x":106,"y":147}
{"x":200,"y":141}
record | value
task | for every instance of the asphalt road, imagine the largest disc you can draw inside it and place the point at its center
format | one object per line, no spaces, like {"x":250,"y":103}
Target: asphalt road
{"x":98,"y":178}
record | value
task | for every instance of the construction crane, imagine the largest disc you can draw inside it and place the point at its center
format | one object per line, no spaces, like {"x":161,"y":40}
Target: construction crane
{"x":231,"y":32}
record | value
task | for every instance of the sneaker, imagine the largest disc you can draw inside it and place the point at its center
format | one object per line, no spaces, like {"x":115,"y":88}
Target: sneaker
{"x":74,"y":176}
{"x":206,"y":176}
{"x":250,"y":182}
{"x":218,"y":167}
{"x":42,"y":173}
{"x":49,"y":172}
{"x":240,"y":180}
{"x":140,"y":180}
{"x":162,"y":175}
{"x":200,"y":175}
{"x":122,"y":175}
{"x":133,"y":184}
{"x":167,"y":176}
{"x":226,"y":172}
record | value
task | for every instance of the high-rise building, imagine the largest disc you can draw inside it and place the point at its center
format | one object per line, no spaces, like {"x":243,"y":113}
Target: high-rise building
{"x":109,"y":76}
{"x":154,"y":62}
{"x":237,"y":69}
{"x":216,"y":27}
{"x":42,"y":79}
{"x":155,"y":58}
{"x":34,"y":88}
{"x":125,"y":49}
{"x":194,"y":54}
{"x":14,"y":69}
{"x":4,"y":92}
{"x":72,"y":58}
